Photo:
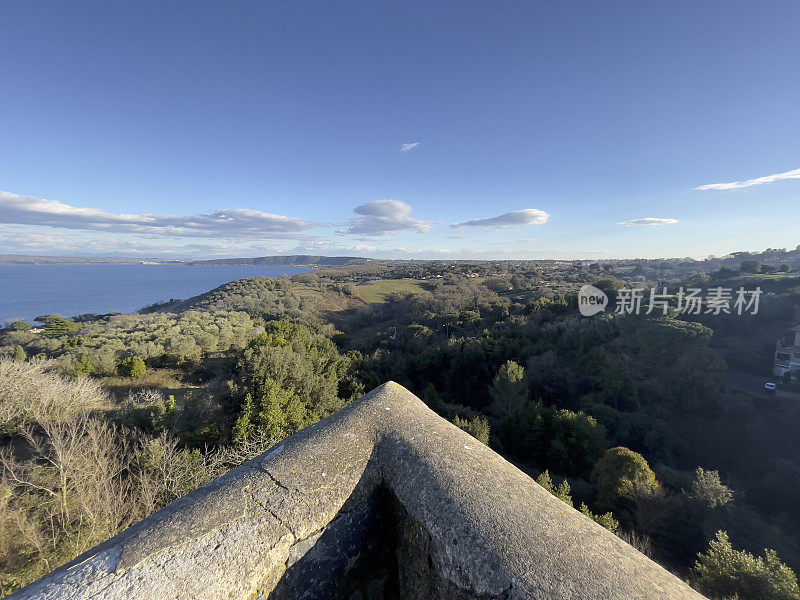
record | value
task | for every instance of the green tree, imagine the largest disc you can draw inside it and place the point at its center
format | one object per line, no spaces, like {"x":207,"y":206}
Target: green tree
{"x":610,"y":285}
{"x":509,"y":390}
{"x":246,"y":423}
{"x":133,"y":367}
{"x":696,"y":381}
{"x":709,"y":490}
{"x":56,"y":326}
{"x":567,"y":442}
{"x":282,"y":412}
{"x":724,"y":273}
{"x":562,"y":492}
{"x":699,"y":279}
{"x":576,"y":441}
{"x":750,"y":266}
{"x":418,"y":331}
{"x":605,"y":519}
{"x":278,"y":413}
{"x":289,"y":378}
{"x":722,"y":572}
{"x":84,"y":367}
{"x":618,"y":473}
{"x":294,"y":357}
{"x":19,"y":354}
{"x":659,"y":338}
{"x":477,"y":427}
{"x":606,"y":373}
{"x":432,"y":398}
{"x":21,"y":326}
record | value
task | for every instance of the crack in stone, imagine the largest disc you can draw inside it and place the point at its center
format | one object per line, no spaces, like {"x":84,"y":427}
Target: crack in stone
{"x":342,"y":470}
{"x":249,"y":493}
{"x":275,"y":479}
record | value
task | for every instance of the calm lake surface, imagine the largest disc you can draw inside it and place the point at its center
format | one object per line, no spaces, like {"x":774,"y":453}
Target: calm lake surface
{"x":27,"y":291}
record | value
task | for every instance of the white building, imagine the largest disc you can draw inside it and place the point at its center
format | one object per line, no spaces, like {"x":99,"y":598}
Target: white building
{"x":787,"y":356}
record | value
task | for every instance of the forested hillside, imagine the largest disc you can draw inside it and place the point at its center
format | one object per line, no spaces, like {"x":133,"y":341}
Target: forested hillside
{"x":625,"y":416}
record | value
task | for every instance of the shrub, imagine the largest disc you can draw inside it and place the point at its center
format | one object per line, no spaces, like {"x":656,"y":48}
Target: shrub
{"x":56,"y":326}
{"x":432,"y":398}
{"x":133,"y":367}
{"x":509,"y":390}
{"x":85,"y":367}
{"x":30,"y":391}
{"x":567,"y":442}
{"x":276,"y":413}
{"x":576,"y":441}
{"x":709,"y":490}
{"x":723,"y":572}
{"x":19,"y":354}
{"x":477,"y":427}
{"x":619,"y":472}
{"x":562,"y":492}
{"x":85,"y":481}
{"x":288,"y":378}
{"x":606,"y":519}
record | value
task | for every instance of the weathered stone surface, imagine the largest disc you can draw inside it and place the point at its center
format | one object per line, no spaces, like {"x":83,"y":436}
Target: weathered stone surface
{"x":382,"y":500}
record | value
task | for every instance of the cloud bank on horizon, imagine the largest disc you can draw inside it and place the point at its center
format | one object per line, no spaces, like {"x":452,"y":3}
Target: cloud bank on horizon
{"x":37,"y":225}
{"x":736,"y":185}
{"x":230,"y":223}
{"x":30,"y":223}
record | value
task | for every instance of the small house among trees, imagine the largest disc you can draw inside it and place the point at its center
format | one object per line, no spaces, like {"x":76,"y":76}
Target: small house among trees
{"x":787,"y":356}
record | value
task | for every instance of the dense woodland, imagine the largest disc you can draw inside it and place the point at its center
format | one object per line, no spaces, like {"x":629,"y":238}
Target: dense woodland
{"x":627,"y":418}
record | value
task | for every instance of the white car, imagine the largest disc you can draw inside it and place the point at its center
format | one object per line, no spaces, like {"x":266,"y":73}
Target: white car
{"x":770,"y":387}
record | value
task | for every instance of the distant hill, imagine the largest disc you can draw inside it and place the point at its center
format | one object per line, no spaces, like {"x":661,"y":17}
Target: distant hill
{"x":299,"y":260}
{"x":268,"y":298}
{"x":770,"y":256}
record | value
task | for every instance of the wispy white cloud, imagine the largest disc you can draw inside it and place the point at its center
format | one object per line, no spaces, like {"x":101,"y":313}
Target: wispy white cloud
{"x":408,"y":146}
{"x":526,"y":216}
{"x":735,"y":185}
{"x":384,"y":217}
{"x":230,"y":223}
{"x":648,"y":221}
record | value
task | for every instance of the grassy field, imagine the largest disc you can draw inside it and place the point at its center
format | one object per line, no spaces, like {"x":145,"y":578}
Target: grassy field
{"x":774,"y":276}
{"x":376,"y":292}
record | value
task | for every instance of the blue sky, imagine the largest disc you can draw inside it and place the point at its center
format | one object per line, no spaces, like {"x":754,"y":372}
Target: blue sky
{"x":459,"y":129}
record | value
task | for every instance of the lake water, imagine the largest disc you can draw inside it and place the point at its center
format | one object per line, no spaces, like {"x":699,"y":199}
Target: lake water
{"x":27,"y":291}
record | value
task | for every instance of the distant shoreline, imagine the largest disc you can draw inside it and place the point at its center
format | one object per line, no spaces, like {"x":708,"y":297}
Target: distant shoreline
{"x":294,"y":260}
{"x":30,"y":290}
